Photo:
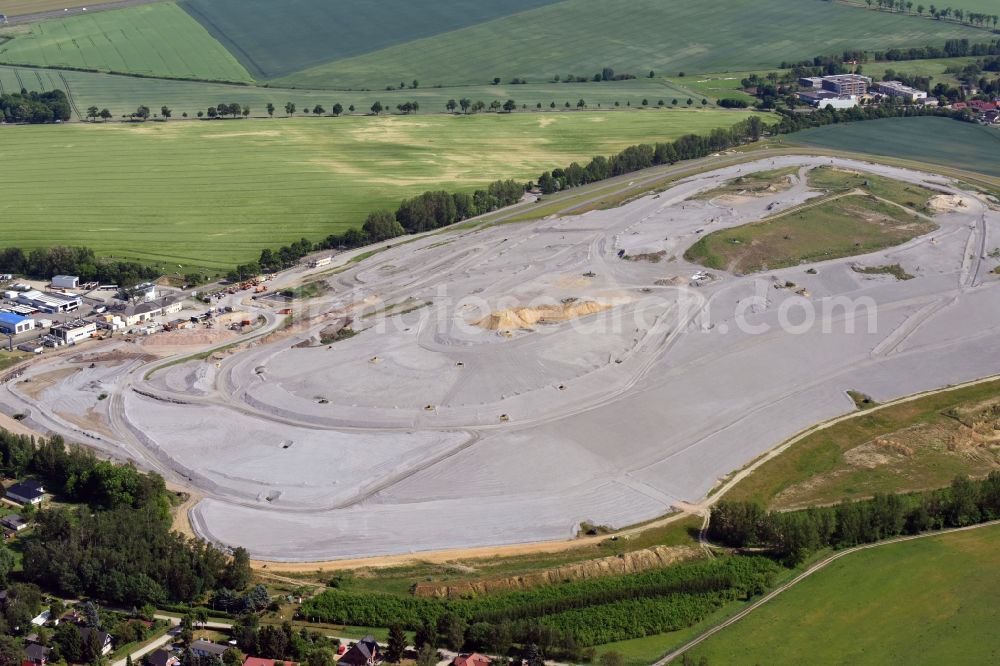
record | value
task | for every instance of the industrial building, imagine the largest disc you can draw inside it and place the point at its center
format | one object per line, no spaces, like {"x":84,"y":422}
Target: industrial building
{"x":50,"y":302}
{"x":839,"y":84}
{"x":15,"y":324}
{"x":847,"y":84}
{"x":73,"y":332}
{"x":65,"y":282}
{"x":824,"y":98}
{"x":898,"y":90}
{"x":144,"y":312}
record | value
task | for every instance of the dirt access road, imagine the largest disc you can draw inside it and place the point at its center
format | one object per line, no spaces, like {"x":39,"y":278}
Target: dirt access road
{"x":73,"y":11}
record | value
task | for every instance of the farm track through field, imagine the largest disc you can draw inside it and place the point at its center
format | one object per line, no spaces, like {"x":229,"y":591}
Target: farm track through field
{"x":69,"y":95}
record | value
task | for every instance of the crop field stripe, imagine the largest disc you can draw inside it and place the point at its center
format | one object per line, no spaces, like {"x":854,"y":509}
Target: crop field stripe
{"x":638,"y":36}
{"x":275,"y":39}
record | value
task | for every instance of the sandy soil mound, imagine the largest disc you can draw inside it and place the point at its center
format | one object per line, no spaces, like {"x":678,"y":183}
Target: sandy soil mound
{"x":615,"y":565}
{"x":115,"y":356}
{"x":947,"y":203}
{"x":525,"y":318}
{"x":184,"y":338}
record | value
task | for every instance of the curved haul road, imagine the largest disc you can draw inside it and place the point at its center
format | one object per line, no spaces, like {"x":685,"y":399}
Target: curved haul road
{"x":427,"y":431}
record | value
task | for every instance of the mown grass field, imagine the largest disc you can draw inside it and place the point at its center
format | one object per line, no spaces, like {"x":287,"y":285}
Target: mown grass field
{"x":154,"y":40}
{"x":212,"y":194}
{"x":930,"y":140}
{"x":928,"y":601}
{"x":914,"y":445}
{"x":278,"y":38}
{"x":637,"y":36}
{"x":122,"y":94}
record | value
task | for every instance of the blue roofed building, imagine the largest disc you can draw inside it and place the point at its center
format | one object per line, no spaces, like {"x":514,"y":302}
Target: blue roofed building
{"x":14,"y":324}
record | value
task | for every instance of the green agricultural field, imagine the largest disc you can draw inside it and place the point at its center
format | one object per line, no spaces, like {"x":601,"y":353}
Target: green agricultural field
{"x":278,"y":38}
{"x":12,"y":80}
{"x":153,"y":40}
{"x":915,"y":445}
{"x":212,"y":194}
{"x":122,"y":94}
{"x":928,"y":601}
{"x":839,"y":227}
{"x":929,"y":140}
{"x":638,"y":36}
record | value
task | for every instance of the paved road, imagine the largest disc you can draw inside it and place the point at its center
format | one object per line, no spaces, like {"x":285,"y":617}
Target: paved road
{"x":72,"y":11}
{"x":798,"y":579}
{"x":446,"y":656}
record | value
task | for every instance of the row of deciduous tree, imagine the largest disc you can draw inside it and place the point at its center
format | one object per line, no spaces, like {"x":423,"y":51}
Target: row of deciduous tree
{"x":643,"y":156}
{"x":571,"y":615}
{"x":793,"y":535}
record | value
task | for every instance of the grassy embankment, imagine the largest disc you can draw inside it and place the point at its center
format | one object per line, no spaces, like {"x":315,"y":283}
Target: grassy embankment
{"x":915,"y":445}
{"x":841,"y":226}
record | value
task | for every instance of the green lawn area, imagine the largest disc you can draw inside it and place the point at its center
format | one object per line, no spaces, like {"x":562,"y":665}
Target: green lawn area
{"x":928,"y":601}
{"x":914,"y":445}
{"x":839,"y":227}
{"x":929,"y":140}
{"x":8,"y":359}
{"x":153,"y":40}
{"x":212,"y":194}
{"x":638,"y":36}
{"x":834,"y":180}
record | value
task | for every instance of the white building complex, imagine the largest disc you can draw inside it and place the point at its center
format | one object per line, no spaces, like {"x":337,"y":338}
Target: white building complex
{"x":49,"y":301}
{"x":73,"y":332}
{"x":898,"y":90}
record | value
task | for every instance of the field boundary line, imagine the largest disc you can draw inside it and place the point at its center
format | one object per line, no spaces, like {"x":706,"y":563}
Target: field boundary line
{"x":818,"y":566}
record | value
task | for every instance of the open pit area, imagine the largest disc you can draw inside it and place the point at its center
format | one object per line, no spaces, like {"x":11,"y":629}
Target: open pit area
{"x":505,"y":384}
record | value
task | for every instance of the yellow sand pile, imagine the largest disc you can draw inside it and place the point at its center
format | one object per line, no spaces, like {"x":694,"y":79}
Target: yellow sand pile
{"x":946,"y":203}
{"x":525,"y":318}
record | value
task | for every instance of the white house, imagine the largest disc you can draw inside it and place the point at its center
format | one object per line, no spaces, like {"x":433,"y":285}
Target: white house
{"x":27,"y":492}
